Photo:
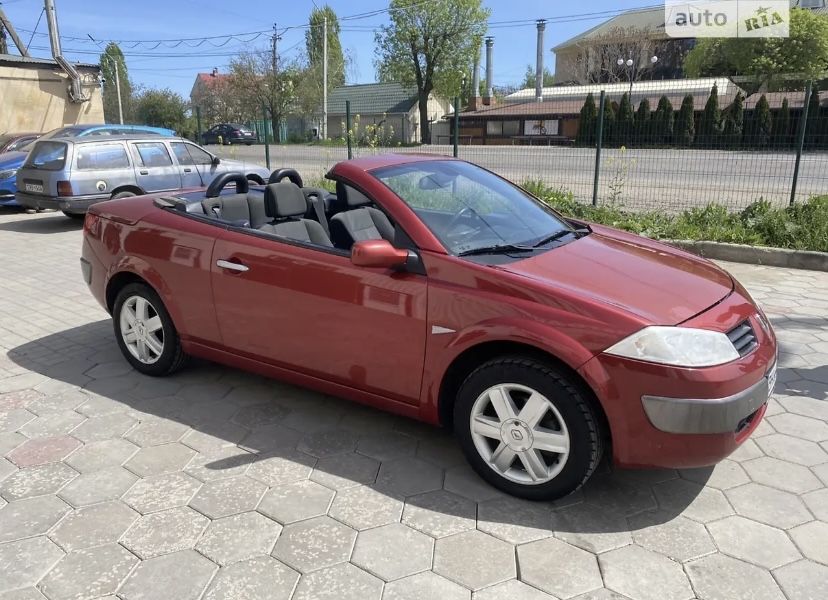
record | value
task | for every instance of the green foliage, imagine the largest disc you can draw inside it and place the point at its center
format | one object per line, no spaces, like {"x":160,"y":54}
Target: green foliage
{"x":761,"y":124}
{"x":609,"y":123}
{"x":314,"y":42}
{"x":803,"y":226}
{"x":782,"y":126}
{"x":530,"y":78}
{"x":663,"y":122}
{"x":587,"y":121}
{"x":643,"y":123}
{"x":710,"y":124}
{"x":804,"y":52}
{"x":815,"y":127}
{"x":685,"y":128}
{"x":163,"y":108}
{"x":735,"y":122}
{"x":430,"y":45}
{"x":625,"y":121}
{"x":112,"y":56}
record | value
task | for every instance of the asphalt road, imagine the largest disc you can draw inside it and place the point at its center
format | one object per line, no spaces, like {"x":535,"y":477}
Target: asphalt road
{"x":660,"y":179}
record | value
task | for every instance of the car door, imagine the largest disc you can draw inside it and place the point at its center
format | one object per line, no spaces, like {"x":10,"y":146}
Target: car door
{"x":204,"y":163}
{"x":311,"y":310}
{"x":186,"y":165}
{"x":154,"y":168}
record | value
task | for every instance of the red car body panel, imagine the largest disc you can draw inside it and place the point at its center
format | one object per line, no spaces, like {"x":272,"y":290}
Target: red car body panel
{"x":388,"y":338}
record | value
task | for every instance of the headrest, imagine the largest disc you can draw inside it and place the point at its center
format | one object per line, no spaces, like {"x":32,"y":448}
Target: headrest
{"x":351,"y":196}
{"x":284,"y":199}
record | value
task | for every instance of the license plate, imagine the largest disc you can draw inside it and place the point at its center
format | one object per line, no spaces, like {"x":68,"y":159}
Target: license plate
{"x":34,"y":188}
{"x":771,"y":380}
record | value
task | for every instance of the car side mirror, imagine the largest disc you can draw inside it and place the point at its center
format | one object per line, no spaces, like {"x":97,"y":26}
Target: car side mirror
{"x":216,"y":161}
{"x":378,"y":254}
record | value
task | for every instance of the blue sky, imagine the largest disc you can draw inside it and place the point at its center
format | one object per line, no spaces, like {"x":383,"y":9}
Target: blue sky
{"x":175,"y":67}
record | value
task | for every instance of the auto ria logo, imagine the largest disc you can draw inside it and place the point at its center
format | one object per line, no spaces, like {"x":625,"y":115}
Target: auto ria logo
{"x":727,"y":18}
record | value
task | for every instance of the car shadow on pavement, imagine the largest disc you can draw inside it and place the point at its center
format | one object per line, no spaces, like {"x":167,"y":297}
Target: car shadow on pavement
{"x":240,"y":424}
{"x":57,"y":223}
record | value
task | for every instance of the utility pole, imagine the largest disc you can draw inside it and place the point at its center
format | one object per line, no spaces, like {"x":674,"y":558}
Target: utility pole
{"x":5,"y":23}
{"x":118,"y":88}
{"x":325,"y":77}
{"x":275,"y":57}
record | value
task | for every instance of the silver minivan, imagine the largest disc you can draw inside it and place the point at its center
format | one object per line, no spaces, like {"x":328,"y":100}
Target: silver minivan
{"x":70,"y":174}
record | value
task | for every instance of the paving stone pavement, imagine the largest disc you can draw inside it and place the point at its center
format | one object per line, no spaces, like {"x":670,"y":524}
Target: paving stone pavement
{"x":219,"y":484}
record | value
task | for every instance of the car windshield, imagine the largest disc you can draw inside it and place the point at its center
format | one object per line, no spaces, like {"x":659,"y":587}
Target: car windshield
{"x":49,"y":156}
{"x":470,"y":209}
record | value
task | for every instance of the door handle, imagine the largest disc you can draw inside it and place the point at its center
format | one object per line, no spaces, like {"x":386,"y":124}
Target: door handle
{"x":144,"y":172}
{"x":188,"y":170}
{"x":232,"y":266}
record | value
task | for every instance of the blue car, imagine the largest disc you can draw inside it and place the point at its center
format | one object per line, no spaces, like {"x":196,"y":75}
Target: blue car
{"x":10,"y":162}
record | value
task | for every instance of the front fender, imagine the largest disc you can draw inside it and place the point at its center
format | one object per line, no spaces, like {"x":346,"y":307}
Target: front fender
{"x":141,"y":268}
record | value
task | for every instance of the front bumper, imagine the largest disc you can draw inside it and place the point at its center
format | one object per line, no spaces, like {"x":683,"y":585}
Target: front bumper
{"x":672,"y":417}
{"x":70,"y":204}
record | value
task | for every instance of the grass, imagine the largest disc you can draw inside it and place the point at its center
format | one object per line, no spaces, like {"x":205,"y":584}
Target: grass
{"x":803,"y":226}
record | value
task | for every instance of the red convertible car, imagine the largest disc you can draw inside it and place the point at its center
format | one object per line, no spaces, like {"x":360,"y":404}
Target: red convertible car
{"x":435,"y":289}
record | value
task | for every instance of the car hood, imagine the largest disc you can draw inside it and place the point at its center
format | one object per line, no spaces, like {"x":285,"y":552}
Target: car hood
{"x":12,"y":160}
{"x":660,"y":284}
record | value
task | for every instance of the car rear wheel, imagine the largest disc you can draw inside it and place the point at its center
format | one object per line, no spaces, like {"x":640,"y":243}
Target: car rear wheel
{"x":123,"y":195}
{"x":527,"y":429}
{"x":145,"y":332}
{"x":73,"y":215}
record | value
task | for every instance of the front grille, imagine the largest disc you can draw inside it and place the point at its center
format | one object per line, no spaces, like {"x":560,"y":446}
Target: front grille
{"x":742,"y":338}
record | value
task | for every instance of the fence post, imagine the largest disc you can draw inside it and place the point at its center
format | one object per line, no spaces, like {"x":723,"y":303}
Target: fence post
{"x":348,"y":128}
{"x":198,"y":124}
{"x":800,"y":138}
{"x":598,"y":143}
{"x":456,"y":136}
{"x":266,"y":140}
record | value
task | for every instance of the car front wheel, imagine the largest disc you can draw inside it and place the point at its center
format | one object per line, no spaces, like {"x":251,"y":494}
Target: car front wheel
{"x":145,"y":332}
{"x":527,"y":429}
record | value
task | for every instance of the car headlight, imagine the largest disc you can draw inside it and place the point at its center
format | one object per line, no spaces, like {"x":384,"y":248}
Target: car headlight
{"x":8,"y":174}
{"x":678,"y":346}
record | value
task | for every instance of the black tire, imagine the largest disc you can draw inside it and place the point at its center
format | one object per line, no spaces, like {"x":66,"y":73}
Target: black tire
{"x":172,"y":357}
{"x":123,"y":194}
{"x":586,"y":445}
{"x":76,"y":216}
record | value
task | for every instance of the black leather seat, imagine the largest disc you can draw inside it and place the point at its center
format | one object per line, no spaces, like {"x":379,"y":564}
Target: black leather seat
{"x":247,"y":210}
{"x":360,"y":221}
{"x":285,"y":204}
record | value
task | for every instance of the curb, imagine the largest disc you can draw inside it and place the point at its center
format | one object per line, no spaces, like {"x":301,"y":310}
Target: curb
{"x":756,"y":255}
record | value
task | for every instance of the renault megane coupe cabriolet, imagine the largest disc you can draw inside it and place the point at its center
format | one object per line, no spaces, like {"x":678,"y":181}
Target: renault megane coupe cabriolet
{"x":435,"y":289}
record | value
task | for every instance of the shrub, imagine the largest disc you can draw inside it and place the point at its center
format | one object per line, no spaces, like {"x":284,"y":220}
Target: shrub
{"x":782,"y":126}
{"x":586,"y":123}
{"x":625,"y":122}
{"x":643,"y":132}
{"x":710,"y":124}
{"x":663,"y":122}
{"x":685,"y":128}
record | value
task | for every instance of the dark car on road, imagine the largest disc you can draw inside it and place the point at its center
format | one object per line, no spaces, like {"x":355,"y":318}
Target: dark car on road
{"x":229,"y":133}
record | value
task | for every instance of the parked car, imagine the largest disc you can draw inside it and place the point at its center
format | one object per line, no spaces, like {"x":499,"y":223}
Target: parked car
{"x":74,"y":173}
{"x":15,"y":141}
{"x":433,"y":288}
{"x":11,"y":161}
{"x":229,"y":133}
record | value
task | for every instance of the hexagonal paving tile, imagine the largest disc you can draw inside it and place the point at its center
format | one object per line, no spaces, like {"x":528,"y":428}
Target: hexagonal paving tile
{"x":156,"y":460}
{"x":93,"y":526}
{"x":511,"y":590}
{"x":88,"y":573}
{"x":818,"y":503}
{"x":25,"y":562}
{"x":409,"y":476}
{"x":155,"y":432}
{"x":161,"y":492}
{"x":182,"y":575}
{"x":803,"y":427}
{"x":36,"y":481}
{"x":223,"y":463}
{"x":14,"y":419}
{"x":393,"y":551}
{"x":692,"y":500}
{"x":97,"y":486}
{"x":609,"y":493}
{"x":768,"y":505}
{"x":340,"y":582}
{"x":7,"y":468}
{"x":214,"y":436}
{"x":812,"y":540}
{"x":583,"y":526}
{"x":43,"y":450}
{"x":10,"y":440}
{"x":722,"y":476}
{"x":644,"y":575}
{"x":314,"y":544}
{"x":296,"y":501}
{"x":474,"y":559}
{"x":678,"y":538}
{"x":23,"y":594}
{"x":558,"y":568}
{"x":331,"y":442}
{"x":440,"y":513}
{"x":387,"y":446}
{"x":365,"y":507}
{"x":239,"y":537}
{"x":165,"y":532}
{"x":804,"y":579}
{"x":258,"y":415}
{"x":720,"y":577}
{"x":271,"y":440}
{"x":345,"y":470}
{"x":261,"y":578}
{"x":103,"y":454}
{"x":30,"y":517}
{"x":751,"y":541}
{"x":424,"y":586}
{"x":288,"y":467}
{"x":51,"y":425}
{"x":105,"y":427}
{"x":514,"y":520}
{"x":227,"y":497}
{"x":793,"y":449}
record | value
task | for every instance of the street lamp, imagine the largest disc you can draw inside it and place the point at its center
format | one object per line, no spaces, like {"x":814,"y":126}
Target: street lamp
{"x":629,"y":63}
{"x":114,"y":64}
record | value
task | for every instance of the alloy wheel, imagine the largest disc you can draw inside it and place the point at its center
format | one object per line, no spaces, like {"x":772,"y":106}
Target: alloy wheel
{"x":141,"y":329}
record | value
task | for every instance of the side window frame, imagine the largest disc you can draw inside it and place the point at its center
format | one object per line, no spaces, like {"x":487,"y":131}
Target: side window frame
{"x":139,"y":158}
{"x":79,"y":148}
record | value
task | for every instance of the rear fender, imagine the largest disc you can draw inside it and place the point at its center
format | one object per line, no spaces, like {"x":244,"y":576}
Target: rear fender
{"x":141,"y":268}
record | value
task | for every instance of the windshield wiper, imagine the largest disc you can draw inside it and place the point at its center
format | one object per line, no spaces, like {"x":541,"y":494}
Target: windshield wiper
{"x":559,"y":234}
{"x":500,"y":249}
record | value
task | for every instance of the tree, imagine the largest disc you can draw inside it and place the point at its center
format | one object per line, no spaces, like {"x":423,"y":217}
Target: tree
{"x":761,"y":124}
{"x":643,"y":124}
{"x":685,"y":128}
{"x":112,"y":56}
{"x":625,"y":122}
{"x":530,"y":78}
{"x":219,"y":101}
{"x":609,"y":123}
{"x":735,"y":121}
{"x":663,"y":122}
{"x":586,"y":122}
{"x":162,"y":108}
{"x":430,"y":45}
{"x":782,"y":126}
{"x":314,"y":42}
{"x":804,"y":52}
{"x":814,"y":134}
{"x":259,"y":86}
{"x":710,"y":124}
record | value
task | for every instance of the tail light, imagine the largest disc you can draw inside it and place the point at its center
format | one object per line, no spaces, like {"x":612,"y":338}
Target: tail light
{"x":92,"y":224}
{"x":237,"y":132}
{"x":64,"y":188}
